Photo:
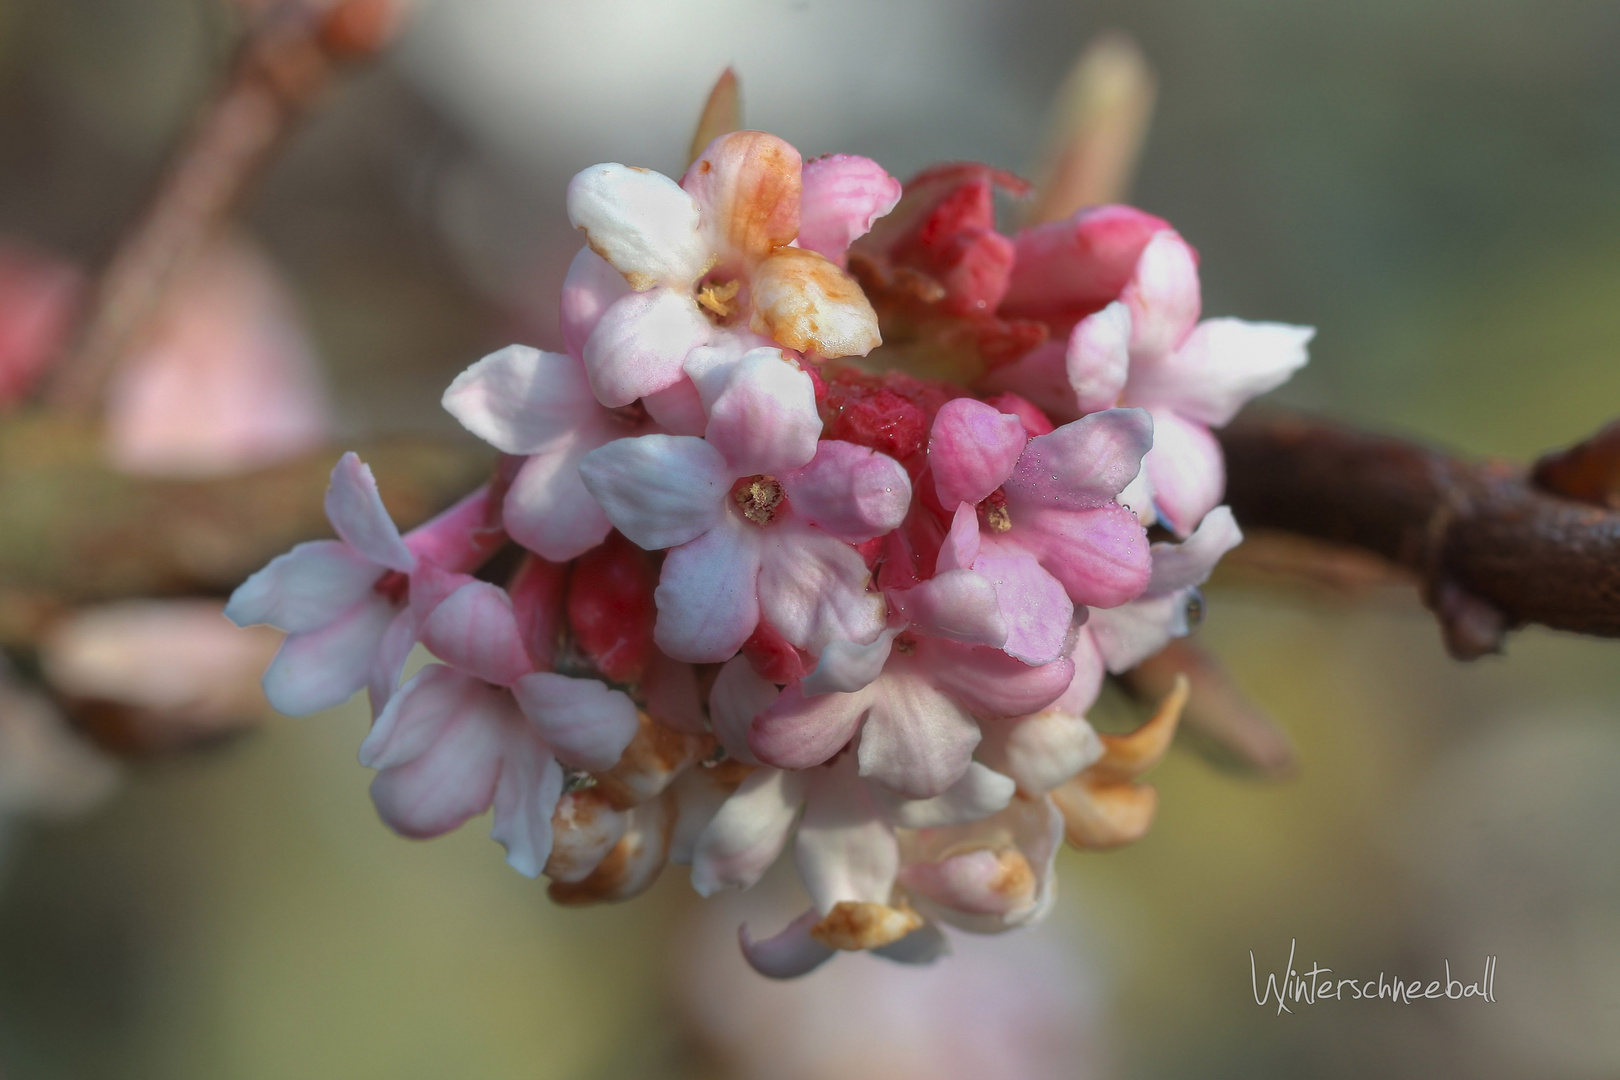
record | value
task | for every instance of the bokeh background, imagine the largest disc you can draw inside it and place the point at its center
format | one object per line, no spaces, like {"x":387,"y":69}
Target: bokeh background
{"x":1434,"y":184}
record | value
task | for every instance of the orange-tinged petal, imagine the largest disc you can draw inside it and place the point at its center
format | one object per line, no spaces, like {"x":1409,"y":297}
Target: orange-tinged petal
{"x":747,"y":186}
{"x":804,"y":301}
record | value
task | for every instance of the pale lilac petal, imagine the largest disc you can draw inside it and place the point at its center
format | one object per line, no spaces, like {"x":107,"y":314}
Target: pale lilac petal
{"x":972,"y":449}
{"x":961,"y":545}
{"x":1067,"y":269}
{"x":1186,"y":469}
{"x":474,"y":630}
{"x":547,"y":507}
{"x":844,"y":849}
{"x":418,"y":713}
{"x":960,"y":605}
{"x":641,"y":222}
{"x":1040,"y":376}
{"x":797,"y":732}
{"x":677,"y":408}
{"x":1100,"y":556}
{"x":843,"y":195}
{"x":1082,"y":464}
{"x":850,"y":491}
{"x":659,"y":490}
{"x":979,"y":793}
{"x":765,"y":420}
{"x":748,"y":833}
{"x":791,"y":953}
{"x":1128,"y":634}
{"x":356,"y":511}
{"x":1222,"y":364}
{"x":1180,"y":566}
{"x":1098,"y":357}
{"x":916,"y":742}
{"x":431,"y":585}
{"x":1035,"y":607}
{"x":698,"y":795}
{"x":389,"y":663}
{"x":988,"y":682}
{"x":813,"y":588}
{"x":1163,"y":299}
{"x":738,"y":695}
{"x":1042,"y":750}
{"x":707,"y":595}
{"x":1137,"y":497}
{"x":321,"y":668}
{"x":847,"y":666}
{"x":521,"y":400}
{"x":585,"y":724}
{"x":304,"y":589}
{"x":526,"y":794}
{"x":640,"y":343}
{"x":591,"y":287}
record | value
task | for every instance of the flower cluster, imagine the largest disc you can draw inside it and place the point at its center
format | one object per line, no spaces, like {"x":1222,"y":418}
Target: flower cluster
{"x":834,"y":512}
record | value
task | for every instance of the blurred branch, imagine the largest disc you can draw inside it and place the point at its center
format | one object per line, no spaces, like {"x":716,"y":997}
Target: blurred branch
{"x":1491,"y":549}
{"x":75,"y":530}
{"x":279,"y":70}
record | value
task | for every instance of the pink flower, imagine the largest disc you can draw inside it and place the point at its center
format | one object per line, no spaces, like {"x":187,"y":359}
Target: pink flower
{"x":1148,"y":350}
{"x":349,"y":606}
{"x":758,"y":515}
{"x":539,"y":404}
{"x":710,"y":257}
{"x":486,"y":729}
{"x":39,"y":295}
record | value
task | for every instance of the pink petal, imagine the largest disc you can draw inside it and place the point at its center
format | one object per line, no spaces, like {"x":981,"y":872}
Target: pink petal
{"x":1035,"y":421}
{"x":1186,"y":470}
{"x":1098,"y":357}
{"x":526,"y":794}
{"x":677,"y":408}
{"x":797,"y":732}
{"x":1042,"y":750}
{"x":1034,"y":606}
{"x":640,"y":342}
{"x":988,"y":682}
{"x":707,"y":594}
{"x":972,"y":450}
{"x":416,"y":716}
{"x":916,"y":742}
{"x":1100,"y":556}
{"x":591,"y":286}
{"x":430,"y":586}
{"x":748,"y":186}
{"x":843,"y":195}
{"x":961,"y":605}
{"x":850,"y":491}
{"x":1081,"y":465}
{"x":322,"y":668}
{"x":462,"y":537}
{"x":791,"y":953}
{"x":844,"y":849}
{"x":747,"y":834}
{"x":1163,"y":299}
{"x":659,"y":490}
{"x":474,"y":630}
{"x":548,"y":508}
{"x":845,"y":666}
{"x":584,"y":723}
{"x":1068,"y":269}
{"x":765,"y":420}
{"x":1040,"y":376}
{"x":389,"y":663}
{"x":1222,"y":364}
{"x":305,"y":589}
{"x":356,"y":511}
{"x":521,"y":400}
{"x":642,"y":223}
{"x":979,"y":793}
{"x":961,"y":544}
{"x":813,"y":588}
{"x":738,"y":695}
{"x":1128,"y":634}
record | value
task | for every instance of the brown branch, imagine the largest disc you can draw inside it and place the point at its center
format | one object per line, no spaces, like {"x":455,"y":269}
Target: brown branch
{"x":1490,"y":548}
{"x":280,"y":69}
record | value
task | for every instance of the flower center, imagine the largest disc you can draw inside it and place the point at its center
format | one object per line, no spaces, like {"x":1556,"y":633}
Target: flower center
{"x":994,"y":509}
{"x":719,"y":299}
{"x":905,"y":643}
{"x":393,"y":586}
{"x":759,"y":498}
{"x":631,"y":415}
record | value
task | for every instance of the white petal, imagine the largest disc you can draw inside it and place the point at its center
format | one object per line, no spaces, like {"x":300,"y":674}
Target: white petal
{"x":846,"y":666}
{"x":356,"y":511}
{"x":748,"y":833}
{"x":708,"y":594}
{"x":640,"y":344}
{"x":961,"y":605}
{"x":547,"y":508}
{"x":981,"y":792}
{"x":389,"y":662}
{"x":322,"y":668}
{"x":1098,"y":357}
{"x":1179,"y":566}
{"x":305,"y":589}
{"x":526,"y":795}
{"x":765,"y":419}
{"x":659,"y":490}
{"x":641,"y":222}
{"x":844,"y":850}
{"x":1222,"y":364}
{"x":589,"y":289}
{"x":917,"y":742}
{"x":812,"y":588}
{"x":738,"y":695}
{"x":520,"y":400}
{"x":584,"y":722}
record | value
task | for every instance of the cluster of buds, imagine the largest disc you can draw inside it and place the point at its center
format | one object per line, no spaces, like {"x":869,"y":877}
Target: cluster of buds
{"x":834,"y":511}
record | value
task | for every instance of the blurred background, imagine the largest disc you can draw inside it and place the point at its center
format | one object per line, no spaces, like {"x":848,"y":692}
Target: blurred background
{"x":1434,"y":184}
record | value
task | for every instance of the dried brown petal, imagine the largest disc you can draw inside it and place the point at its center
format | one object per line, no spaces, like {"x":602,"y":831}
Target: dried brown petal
{"x":853,"y":925}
